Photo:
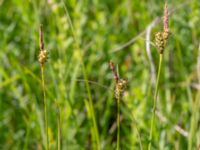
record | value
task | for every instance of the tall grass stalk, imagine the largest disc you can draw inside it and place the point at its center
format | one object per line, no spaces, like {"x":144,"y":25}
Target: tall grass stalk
{"x":195,"y":109}
{"x":120,"y":87}
{"x":118,"y":123}
{"x":194,"y":122}
{"x":59,"y":128}
{"x":79,"y":52}
{"x":155,"y":102}
{"x":27,"y":136}
{"x":160,"y":41}
{"x":45,"y":108}
{"x":42,"y":58}
{"x":137,"y":130}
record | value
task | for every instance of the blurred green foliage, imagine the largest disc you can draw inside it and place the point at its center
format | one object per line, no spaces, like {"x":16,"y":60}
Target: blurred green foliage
{"x":99,"y":27}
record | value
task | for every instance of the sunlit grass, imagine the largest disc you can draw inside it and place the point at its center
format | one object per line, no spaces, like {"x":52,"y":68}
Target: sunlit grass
{"x":80,"y":37}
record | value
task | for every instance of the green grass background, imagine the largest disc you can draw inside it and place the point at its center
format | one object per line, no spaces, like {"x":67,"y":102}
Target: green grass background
{"x":99,"y":27}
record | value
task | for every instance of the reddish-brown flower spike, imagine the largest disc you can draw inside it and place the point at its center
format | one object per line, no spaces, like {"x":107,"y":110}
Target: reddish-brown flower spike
{"x":121,"y":84}
{"x":41,"y":38}
{"x":166,"y":18}
{"x":113,"y":68}
{"x":43,"y":55}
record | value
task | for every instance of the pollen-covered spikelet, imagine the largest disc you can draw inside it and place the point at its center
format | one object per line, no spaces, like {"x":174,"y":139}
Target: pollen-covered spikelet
{"x":121,"y":84}
{"x":166,"y":24}
{"x":120,"y":87}
{"x":162,"y":37}
{"x":160,"y":42}
{"x":43,"y":56}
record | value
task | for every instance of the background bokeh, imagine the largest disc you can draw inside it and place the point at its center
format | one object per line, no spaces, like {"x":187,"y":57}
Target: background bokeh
{"x":100,"y":30}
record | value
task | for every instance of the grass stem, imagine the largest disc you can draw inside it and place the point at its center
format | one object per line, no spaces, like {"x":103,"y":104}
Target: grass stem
{"x":195,"y":110}
{"x":118,"y":123}
{"x":138,"y":133}
{"x":59,"y":127}
{"x":45,"y":108}
{"x":155,"y":102}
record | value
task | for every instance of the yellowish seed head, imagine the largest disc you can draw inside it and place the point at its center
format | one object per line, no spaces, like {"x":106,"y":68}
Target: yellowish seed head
{"x":42,"y":57}
{"x":159,"y":41}
{"x":162,"y":37}
{"x":120,"y":87}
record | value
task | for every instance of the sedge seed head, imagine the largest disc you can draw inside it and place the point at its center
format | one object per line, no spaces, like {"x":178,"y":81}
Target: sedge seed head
{"x":159,"y":41}
{"x":113,"y":68}
{"x":162,"y":37}
{"x":166,"y":23}
{"x":120,"y":87}
{"x":166,"y":19}
{"x":43,"y":56}
{"x":41,"y":38}
{"x":121,"y":84}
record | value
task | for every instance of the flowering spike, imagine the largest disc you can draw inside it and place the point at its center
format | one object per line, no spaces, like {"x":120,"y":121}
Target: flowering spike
{"x":113,"y":68}
{"x":43,"y":55}
{"x":166,"y":18}
{"x":41,"y":38}
{"x":121,"y":84}
{"x":162,"y":37}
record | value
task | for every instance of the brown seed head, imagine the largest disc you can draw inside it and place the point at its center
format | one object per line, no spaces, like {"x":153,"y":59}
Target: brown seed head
{"x":113,"y":68}
{"x":43,"y":55}
{"x":166,"y":19}
{"x":120,"y":87}
{"x":41,"y":38}
{"x":121,"y":84}
{"x":159,"y":41}
{"x":162,"y":37}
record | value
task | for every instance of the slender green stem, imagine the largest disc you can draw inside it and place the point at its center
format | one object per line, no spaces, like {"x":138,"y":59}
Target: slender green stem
{"x":59,"y":128}
{"x":195,"y":111}
{"x":155,"y":102}
{"x":45,"y":108}
{"x":118,"y":123}
{"x":96,"y":133}
{"x":194,"y":122}
{"x":137,"y":130}
{"x":90,"y":101}
{"x":27,"y":137}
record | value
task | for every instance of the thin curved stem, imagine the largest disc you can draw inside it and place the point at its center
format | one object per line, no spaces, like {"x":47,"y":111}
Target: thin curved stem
{"x":45,"y":108}
{"x":138,"y":133}
{"x":155,"y":102}
{"x":118,"y":123}
{"x":59,"y":128}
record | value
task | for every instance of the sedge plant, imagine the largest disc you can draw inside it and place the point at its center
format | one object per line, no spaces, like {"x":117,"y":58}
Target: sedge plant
{"x":120,"y":87}
{"x":42,"y":58}
{"x":160,"y":41}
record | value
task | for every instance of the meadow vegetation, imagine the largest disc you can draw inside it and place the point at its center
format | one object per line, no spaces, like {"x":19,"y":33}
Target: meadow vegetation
{"x":97,"y":84}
